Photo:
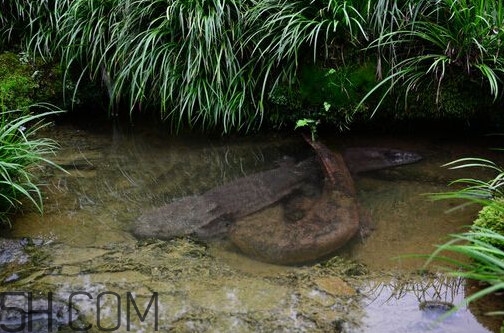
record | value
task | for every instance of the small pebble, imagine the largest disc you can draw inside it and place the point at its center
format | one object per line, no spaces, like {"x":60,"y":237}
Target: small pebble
{"x":12,"y":278}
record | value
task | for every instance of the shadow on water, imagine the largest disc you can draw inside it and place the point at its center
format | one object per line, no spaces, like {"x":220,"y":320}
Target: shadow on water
{"x":114,"y":177}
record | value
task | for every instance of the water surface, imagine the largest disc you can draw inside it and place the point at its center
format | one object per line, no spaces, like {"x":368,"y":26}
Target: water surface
{"x":116,"y":173}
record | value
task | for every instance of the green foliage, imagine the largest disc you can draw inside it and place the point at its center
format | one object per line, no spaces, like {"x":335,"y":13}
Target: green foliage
{"x":283,"y":28}
{"x":287,"y":32}
{"x":491,"y":217}
{"x":337,"y":90}
{"x":311,"y":124}
{"x":459,"y":98}
{"x":488,"y":260}
{"x":21,"y":19}
{"x":16,"y":84}
{"x":441,"y":41}
{"x":23,"y":80}
{"x":290,"y":37}
{"x":329,"y":96}
{"x":476,"y":190}
{"x":20,"y":152}
{"x":190,"y":58}
{"x":488,"y":193}
{"x":484,"y":243}
{"x":486,"y":264}
{"x":11,"y":20}
{"x":186,"y":58}
{"x":217,"y":63}
{"x":318,"y":85}
{"x":206,"y":63}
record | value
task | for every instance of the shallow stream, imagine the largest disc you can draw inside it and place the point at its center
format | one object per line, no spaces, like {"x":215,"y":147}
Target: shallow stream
{"x":116,"y":173}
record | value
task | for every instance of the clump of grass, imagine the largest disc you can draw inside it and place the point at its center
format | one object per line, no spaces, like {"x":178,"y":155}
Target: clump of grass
{"x":486,"y":262}
{"x":204,"y":63}
{"x":21,"y":151}
{"x":184,"y":58}
{"x":288,"y":37}
{"x":424,"y":44}
{"x":483,"y":243}
{"x":474,"y":190}
{"x":284,"y":31}
{"x":213,"y":63}
{"x":20,"y":19}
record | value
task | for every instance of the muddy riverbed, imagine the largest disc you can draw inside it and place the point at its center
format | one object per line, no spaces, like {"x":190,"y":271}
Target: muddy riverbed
{"x":86,"y":254}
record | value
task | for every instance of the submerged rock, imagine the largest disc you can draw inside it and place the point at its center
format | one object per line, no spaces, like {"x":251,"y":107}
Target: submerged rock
{"x":436,"y":306}
{"x":11,"y":278}
{"x":12,"y":251}
{"x":22,"y":312}
{"x":334,"y":286}
{"x":18,"y":257}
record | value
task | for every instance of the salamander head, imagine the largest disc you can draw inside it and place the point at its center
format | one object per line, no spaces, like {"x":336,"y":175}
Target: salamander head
{"x":367,"y":159}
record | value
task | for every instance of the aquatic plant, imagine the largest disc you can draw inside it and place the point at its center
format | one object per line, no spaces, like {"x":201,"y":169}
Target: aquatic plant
{"x":20,"y":153}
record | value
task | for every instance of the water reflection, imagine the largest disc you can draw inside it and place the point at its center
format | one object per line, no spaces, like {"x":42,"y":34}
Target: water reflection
{"x":417,"y":304}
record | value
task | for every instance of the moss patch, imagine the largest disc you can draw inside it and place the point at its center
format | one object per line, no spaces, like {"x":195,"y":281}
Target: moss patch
{"x":24,"y":81}
{"x":492,"y":217}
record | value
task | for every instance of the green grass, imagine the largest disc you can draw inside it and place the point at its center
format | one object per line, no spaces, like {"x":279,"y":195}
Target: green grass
{"x":424,"y":44}
{"x":21,"y":153}
{"x":213,"y":63}
{"x":21,"y":19}
{"x":482,"y":246}
{"x":485,"y":264}
{"x":184,"y":58}
{"x":209,"y":64}
{"x":189,"y":59}
{"x":289,"y":37}
{"x":475,"y":190}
